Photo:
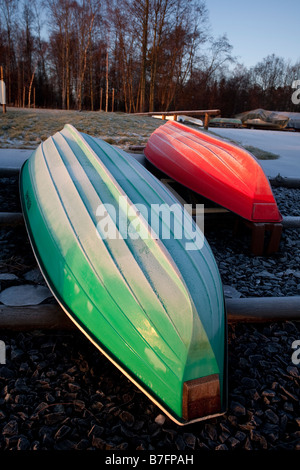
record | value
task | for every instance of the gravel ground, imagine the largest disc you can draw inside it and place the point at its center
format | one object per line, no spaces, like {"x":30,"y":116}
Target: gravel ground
{"x":57,"y":392}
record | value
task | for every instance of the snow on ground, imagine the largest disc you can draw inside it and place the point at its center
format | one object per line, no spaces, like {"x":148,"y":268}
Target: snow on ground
{"x":24,"y":129}
{"x":284,"y":144}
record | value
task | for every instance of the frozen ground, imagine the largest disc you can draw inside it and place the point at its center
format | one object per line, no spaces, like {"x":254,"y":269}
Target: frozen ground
{"x":26,"y":128}
{"x":284,"y":144}
{"x":22,"y":129}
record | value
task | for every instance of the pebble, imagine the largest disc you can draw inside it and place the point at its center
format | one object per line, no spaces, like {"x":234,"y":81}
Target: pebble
{"x":25,"y":294}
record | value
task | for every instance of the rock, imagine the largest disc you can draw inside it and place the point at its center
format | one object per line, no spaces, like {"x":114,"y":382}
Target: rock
{"x":255,"y":436}
{"x":190,"y":440}
{"x":83,"y":444}
{"x":211,"y":431}
{"x":11,"y":428}
{"x":127,"y":418}
{"x":23,"y":443}
{"x":8,"y":277}
{"x":96,"y":431}
{"x":272,"y":416}
{"x":6,"y":373}
{"x":34,"y":275}
{"x":23,"y":295}
{"x":64,"y":445}
{"x":233,"y":442}
{"x":240,"y":436}
{"x":293,"y":371}
{"x":221,"y":447}
{"x":231,"y":293}
{"x":54,"y":418}
{"x":249,"y":383}
{"x":237,"y":409}
{"x":179,"y":442}
{"x":62,"y":432}
{"x":160,"y":419}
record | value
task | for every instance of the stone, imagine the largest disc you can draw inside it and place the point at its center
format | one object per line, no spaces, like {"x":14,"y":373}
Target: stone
{"x":160,"y":419}
{"x":127,"y":418}
{"x":62,"y":432}
{"x":237,"y":409}
{"x":231,"y":293}
{"x":190,"y":440}
{"x":10,"y":429}
{"x":8,"y":277}
{"x":255,"y":436}
{"x":221,"y":447}
{"x":54,"y":418}
{"x":23,"y":443}
{"x":23,"y":295}
{"x":34,"y":275}
{"x":272,"y":416}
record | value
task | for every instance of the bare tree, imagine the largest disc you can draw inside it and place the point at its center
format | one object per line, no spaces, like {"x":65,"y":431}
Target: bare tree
{"x":9,"y":10}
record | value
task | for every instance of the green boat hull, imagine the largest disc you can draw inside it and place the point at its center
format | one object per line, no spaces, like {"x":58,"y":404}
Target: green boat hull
{"x":153,"y":307}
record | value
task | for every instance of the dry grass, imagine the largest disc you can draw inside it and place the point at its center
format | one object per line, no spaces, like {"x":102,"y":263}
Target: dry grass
{"x":24,"y":128}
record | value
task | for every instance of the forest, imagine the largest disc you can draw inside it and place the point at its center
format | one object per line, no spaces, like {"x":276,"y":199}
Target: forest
{"x":131,"y":56}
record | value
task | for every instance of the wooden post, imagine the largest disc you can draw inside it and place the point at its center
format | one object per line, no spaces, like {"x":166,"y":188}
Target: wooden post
{"x":11,"y":218}
{"x":3,"y":89}
{"x":206,"y":121}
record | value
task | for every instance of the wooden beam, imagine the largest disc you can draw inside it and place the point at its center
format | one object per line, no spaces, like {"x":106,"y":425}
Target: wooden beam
{"x":291,"y":222}
{"x":285,"y":182}
{"x":196,"y":112}
{"x":11,"y":218}
{"x":263,"y":309}
{"x":251,"y":310}
{"x":6,"y":172}
{"x":34,"y":317}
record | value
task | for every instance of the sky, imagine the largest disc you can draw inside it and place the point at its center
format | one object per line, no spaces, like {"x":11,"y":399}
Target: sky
{"x":257,"y":28}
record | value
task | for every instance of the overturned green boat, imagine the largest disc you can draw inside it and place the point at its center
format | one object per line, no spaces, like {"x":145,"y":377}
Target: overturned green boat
{"x":152,"y":303}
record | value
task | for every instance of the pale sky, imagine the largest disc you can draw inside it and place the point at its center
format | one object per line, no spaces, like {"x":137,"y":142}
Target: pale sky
{"x":257,"y":28}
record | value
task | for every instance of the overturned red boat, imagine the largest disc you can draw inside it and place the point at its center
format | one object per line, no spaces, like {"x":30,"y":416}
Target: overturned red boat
{"x":218,"y":170}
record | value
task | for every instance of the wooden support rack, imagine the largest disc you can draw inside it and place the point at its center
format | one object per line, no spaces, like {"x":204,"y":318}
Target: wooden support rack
{"x":206,"y":113}
{"x":250,"y":310}
{"x":265,"y":236}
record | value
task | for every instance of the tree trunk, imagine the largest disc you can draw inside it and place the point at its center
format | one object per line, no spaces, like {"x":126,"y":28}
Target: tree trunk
{"x":144,"y":57}
{"x":106,"y":95}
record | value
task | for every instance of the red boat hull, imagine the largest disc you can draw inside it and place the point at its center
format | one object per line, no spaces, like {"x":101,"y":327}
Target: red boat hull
{"x":220,"y":171}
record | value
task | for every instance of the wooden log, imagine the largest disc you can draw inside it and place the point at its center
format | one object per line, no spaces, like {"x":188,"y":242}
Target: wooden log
{"x":285,"y":182}
{"x":7,"y":172}
{"x":263,"y":309}
{"x":242,"y":310}
{"x":34,"y":317}
{"x":291,"y":222}
{"x":196,"y":112}
{"x":11,"y":218}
